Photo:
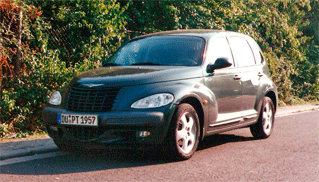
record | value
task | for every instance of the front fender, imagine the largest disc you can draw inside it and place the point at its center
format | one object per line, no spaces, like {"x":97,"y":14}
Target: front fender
{"x":187,"y":91}
{"x":182,"y":90}
{"x":204,"y":96}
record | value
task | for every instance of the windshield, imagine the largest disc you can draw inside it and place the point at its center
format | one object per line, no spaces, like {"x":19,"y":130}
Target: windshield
{"x":160,"y":50}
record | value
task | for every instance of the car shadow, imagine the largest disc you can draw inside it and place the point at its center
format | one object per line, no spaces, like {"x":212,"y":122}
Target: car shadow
{"x":220,"y":139}
{"x":81,"y":161}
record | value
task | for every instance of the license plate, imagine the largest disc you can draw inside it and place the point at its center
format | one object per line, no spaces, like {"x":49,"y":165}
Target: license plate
{"x":77,"y":119}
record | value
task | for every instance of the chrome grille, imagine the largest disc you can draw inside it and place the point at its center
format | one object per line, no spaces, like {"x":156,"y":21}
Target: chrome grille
{"x":91,"y":99}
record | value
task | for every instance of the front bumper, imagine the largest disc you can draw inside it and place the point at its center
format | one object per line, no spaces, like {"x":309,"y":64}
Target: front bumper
{"x":116,"y":129}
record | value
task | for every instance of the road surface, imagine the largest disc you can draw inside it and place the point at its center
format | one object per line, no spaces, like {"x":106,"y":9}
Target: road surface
{"x":290,"y":154}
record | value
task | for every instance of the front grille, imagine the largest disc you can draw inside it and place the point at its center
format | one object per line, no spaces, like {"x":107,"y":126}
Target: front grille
{"x":86,"y":133}
{"x":91,"y":99}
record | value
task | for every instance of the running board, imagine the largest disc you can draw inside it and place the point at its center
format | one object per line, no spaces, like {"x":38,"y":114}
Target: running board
{"x":227,"y":122}
{"x":251,"y":116}
{"x":224,"y":119}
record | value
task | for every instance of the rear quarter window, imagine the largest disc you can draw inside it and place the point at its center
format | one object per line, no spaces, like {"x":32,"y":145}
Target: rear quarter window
{"x":256,"y":50}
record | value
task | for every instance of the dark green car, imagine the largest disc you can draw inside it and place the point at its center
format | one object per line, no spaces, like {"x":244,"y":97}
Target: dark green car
{"x":166,"y":90}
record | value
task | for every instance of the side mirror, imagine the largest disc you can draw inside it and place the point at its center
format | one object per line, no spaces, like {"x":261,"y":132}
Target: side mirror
{"x":219,"y":63}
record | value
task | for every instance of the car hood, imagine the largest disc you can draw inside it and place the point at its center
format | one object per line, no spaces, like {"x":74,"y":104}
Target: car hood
{"x":136,"y":75}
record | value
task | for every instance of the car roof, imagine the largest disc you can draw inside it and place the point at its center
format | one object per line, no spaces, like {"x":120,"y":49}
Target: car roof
{"x":204,"y":33}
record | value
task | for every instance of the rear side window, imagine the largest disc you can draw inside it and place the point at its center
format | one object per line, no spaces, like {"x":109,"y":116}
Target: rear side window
{"x":242,"y":51}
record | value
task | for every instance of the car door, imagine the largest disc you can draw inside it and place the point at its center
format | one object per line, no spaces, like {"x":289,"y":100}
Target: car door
{"x":223,"y":82}
{"x":249,"y":73}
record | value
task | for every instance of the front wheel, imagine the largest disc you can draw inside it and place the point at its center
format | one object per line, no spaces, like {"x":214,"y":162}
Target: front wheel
{"x":183,"y":136}
{"x":265,"y":124}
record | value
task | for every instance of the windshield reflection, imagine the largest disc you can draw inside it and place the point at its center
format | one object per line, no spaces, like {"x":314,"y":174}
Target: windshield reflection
{"x":160,"y":50}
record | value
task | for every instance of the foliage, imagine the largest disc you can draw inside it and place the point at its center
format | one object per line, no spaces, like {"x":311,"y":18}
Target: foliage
{"x":16,"y":45}
{"x":92,"y":30}
{"x":25,"y":92}
{"x":307,"y":83}
{"x":147,"y":16}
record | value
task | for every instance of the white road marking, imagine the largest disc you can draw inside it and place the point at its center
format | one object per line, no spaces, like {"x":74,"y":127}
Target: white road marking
{"x":32,"y":157}
{"x":296,"y":112}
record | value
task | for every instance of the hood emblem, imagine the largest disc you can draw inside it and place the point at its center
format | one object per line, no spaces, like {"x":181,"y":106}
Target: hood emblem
{"x":92,"y":85}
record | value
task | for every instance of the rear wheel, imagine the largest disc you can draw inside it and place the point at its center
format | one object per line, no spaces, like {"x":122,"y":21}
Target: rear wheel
{"x":183,"y":136}
{"x":265,"y":124}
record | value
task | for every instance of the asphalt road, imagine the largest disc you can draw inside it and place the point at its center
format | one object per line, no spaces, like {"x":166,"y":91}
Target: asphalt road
{"x":290,"y":154}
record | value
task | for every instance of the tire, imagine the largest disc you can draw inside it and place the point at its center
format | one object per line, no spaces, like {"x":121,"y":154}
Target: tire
{"x":265,"y":123}
{"x":183,"y":134}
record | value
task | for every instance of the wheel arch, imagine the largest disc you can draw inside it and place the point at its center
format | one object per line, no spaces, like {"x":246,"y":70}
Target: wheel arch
{"x":273,"y":97}
{"x":199,"y":110}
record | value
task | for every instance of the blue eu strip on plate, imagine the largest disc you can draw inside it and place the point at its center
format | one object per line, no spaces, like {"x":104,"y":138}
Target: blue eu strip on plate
{"x":59,"y":118}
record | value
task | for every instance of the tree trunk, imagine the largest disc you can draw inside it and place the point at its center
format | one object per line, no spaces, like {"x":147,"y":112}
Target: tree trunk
{"x":19,"y":55}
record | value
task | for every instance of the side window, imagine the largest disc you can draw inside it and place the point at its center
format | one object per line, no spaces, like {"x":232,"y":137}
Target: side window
{"x":242,"y":51}
{"x":218,"y":48}
{"x":257,"y":52}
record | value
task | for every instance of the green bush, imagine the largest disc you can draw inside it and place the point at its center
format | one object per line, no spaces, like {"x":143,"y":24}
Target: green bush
{"x":84,"y":30}
{"x":95,"y":28}
{"x":28,"y":94}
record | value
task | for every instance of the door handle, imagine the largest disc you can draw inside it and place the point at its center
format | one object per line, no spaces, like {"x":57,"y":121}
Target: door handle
{"x":237,"y":77}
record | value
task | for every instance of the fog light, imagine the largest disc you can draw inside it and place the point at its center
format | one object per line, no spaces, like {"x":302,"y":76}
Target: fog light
{"x":53,"y":128}
{"x":143,"y":134}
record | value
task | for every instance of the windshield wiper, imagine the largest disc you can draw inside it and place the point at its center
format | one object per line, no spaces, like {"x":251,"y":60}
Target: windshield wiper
{"x":110,"y":64}
{"x":146,"y":64}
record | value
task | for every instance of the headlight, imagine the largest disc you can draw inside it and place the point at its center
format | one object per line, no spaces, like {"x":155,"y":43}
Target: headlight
{"x":56,"y":98}
{"x":153,"y":101}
